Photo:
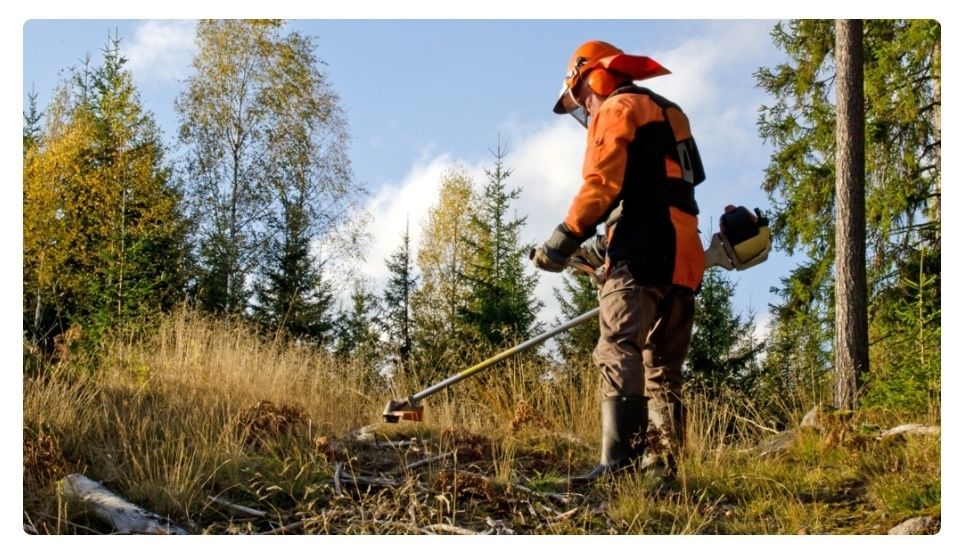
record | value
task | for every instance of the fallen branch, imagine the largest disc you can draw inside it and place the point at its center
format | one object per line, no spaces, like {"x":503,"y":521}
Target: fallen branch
{"x":370,"y":481}
{"x":283,"y":529}
{"x":560,"y":498}
{"x":123,"y":515}
{"x":449,"y":529}
{"x":238,"y":508}
{"x":336,"y":478}
{"x":910,"y":429}
{"x":426,"y":461}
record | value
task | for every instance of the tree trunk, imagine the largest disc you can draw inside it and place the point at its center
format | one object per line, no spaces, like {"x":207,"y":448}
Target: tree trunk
{"x":852,"y":339}
{"x":937,"y":121}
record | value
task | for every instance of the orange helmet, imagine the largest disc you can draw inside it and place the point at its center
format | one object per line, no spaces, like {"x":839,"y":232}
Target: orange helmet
{"x":592,"y":61}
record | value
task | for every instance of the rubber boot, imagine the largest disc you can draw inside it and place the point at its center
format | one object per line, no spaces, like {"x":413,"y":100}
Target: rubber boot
{"x":624,"y":425}
{"x":665,"y":438}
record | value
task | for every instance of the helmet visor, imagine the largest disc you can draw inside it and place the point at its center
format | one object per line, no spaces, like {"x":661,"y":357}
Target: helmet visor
{"x":580,"y":115}
{"x":567,"y":104}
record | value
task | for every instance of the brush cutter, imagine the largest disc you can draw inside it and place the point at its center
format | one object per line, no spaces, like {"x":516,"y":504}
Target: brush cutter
{"x":410,"y":409}
{"x":743,"y":241}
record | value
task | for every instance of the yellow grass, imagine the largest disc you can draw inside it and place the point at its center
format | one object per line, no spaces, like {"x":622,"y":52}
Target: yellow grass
{"x":164,"y":421}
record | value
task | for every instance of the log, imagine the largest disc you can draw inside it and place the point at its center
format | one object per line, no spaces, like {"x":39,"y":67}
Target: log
{"x":126,"y":517}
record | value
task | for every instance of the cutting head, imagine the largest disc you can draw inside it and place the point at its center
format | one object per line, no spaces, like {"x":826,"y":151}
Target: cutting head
{"x":402,"y":409}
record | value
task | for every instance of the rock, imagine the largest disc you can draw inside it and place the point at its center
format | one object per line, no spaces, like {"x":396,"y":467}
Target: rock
{"x":811,"y":419}
{"x":909,"y":429}
{"x":917,"y":526}
{"x":779,"y":442}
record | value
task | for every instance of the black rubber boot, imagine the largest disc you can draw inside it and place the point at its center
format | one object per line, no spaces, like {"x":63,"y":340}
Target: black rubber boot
{"x":624,"y":426}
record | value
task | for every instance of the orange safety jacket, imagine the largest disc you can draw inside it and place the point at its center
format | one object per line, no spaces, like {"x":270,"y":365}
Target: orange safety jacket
{"x":641,"y":153}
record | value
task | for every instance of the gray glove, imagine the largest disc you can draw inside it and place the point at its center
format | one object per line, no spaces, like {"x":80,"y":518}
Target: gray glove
{"x":543,"y":260}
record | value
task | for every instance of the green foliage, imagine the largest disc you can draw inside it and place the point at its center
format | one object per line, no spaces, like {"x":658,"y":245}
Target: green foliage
{"x":265,"y":144}
{"x":443,"y":256}
{"x":293,"y":297}
{"x":357,"y":330}
{"x":902,"y":94}
{"x":723,"y":351}
{"x":907,"y":341}
{"x":576,"y":345}
{"x":400,"y":288}
{"x":104,"y":237}
{"x":500,"y":307}
{"x":32,"y":128}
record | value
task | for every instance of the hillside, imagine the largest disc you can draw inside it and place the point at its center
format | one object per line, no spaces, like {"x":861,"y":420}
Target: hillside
{"x":228,"y":433}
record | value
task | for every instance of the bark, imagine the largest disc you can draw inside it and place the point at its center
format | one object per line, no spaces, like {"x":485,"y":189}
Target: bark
{"x":852,"y":338}
{"x":126,"y":517}
{"x":937,"y":121}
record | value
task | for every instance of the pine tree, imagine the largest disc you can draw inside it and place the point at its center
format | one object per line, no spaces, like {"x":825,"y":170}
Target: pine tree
{"x":500,"y":306}
{"x":399,"y":290}
{"x":902,"y":159}
{"x":852,"y":336}
{"x":104,"y":238}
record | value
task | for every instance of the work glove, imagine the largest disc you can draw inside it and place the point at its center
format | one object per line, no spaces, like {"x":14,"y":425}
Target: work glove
{"x":554,"y":254}
{"x":547,"y":260}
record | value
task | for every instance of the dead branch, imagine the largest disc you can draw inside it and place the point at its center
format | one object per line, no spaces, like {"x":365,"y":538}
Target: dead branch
{"x":283,"y":529}
{"x":449,"y":529}
{"x":562,"y":499}
{"x":426,"y":461}
{"x":370,"y":481}
{"x":238,"y":508}
{"x":336,"y":478}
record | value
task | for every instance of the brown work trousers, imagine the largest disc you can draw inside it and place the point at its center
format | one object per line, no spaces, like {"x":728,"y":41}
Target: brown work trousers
{"x":644,"y":334}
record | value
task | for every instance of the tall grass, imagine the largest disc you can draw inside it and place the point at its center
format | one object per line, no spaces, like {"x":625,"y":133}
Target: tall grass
{"x":161,"y":421}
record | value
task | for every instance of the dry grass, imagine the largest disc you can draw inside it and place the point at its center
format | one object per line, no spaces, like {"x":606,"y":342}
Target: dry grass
{"x":207,"y":409}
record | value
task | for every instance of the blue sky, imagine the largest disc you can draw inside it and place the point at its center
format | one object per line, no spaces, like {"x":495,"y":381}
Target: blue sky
{"x":421,"y":96}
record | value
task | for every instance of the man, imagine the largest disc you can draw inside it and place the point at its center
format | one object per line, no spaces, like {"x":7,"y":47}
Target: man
{"x":640,"y":170}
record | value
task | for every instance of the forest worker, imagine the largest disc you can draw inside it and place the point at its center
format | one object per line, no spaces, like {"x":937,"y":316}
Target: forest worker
{"x":639,"y":174}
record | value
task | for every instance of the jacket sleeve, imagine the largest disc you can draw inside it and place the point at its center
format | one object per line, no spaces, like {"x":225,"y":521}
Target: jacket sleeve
{"x":604,"y":168}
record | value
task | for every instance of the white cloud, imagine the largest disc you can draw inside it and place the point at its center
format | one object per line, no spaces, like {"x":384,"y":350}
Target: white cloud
{"x":546,"y":164}
{"x":161,"y":50}
{"x":394,"y":204}
{"x":547,"y":159}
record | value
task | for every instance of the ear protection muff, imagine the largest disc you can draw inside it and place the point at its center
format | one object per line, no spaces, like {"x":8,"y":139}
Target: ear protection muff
{"x":601,"y":81}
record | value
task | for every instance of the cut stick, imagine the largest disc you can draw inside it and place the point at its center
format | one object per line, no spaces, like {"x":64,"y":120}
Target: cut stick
{"x":238,"y":508}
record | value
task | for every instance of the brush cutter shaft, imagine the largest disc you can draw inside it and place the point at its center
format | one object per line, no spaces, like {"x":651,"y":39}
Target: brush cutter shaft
{"x":504,"y":355}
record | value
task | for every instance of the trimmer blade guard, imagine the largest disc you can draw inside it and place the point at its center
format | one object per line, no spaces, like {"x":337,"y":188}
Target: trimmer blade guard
{"x":402,"y":409}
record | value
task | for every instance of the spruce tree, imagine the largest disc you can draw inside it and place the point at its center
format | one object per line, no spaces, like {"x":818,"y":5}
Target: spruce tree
{"x":501,"y":306}
{"x":104,"y":236}
{"x":357,"y":332}
{"x":576,"y":345}
{"x":396,"y":298}
{"x":722,"y":351}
